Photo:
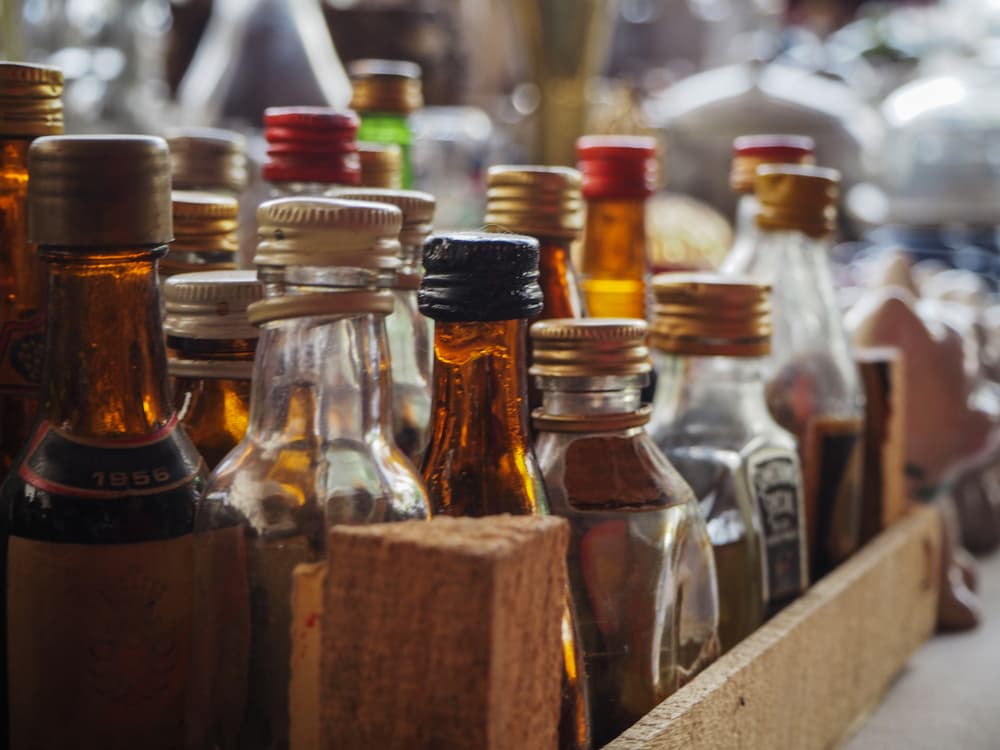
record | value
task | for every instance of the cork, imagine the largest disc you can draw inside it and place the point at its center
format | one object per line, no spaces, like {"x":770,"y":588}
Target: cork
{"x":444,"y":634}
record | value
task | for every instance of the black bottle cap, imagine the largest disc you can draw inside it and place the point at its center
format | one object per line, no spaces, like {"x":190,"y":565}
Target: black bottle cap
{"x":478,"y":276}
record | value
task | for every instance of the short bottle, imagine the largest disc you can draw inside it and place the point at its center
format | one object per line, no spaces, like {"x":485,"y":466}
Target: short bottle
{"x":619,"y":175}
{"x":100,"y":507}
{"x":386,"y":93}
{"x":211,"y":346}
{"x":310,"y":150}
{"x":30,"y":106}
{"x":640,"y":561}
{"x":381,"y":165}
{"x":318,"y":449}
{"x":480,"y":289}
{"x":813,"y":385}
{"x":205,"y":237}
{"x":710,"y":335}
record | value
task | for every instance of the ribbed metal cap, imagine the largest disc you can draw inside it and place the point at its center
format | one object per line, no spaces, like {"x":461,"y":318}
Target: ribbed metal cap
{"x":617,"y":166}
{"x":204,"y":233}
{"x":386,"y":86}
{"x":328,"y":232}
{"x":476,"y":276}
{"x":535,"y":200}
{"x":752,"y":151}
{"x":311,"y":144}
{"x":800,"y":198}
{"x":712,"y":315}
{"x":109,"y":190}
{"x":417,"y":208}
{"x":588,"y":347}
{"x":210,"y":305}
{"x":381,"y":165}
{"x":208,"y":159}
{"x":30,"y":99}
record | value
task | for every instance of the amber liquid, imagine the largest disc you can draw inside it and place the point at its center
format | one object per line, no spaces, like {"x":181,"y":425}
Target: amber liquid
{"x":613,"y":264}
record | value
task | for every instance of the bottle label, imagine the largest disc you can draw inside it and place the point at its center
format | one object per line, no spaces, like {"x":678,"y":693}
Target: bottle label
{"x":22,"y":353}
{"x":99,"y":644}
{"x":67,"y":465}
{"x":776,"y":483}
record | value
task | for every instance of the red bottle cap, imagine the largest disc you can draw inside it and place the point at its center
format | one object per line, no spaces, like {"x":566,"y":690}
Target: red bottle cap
{"x":752,"y":151}
{"x":312,"y":144}
{"x":617,"y":166}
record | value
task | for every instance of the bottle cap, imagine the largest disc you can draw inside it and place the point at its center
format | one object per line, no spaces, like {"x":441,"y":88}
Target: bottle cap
{"x":208,"y":159}
{"x":204,"y":233}
{"x":311,"y":144}
{"x":752,"y":151}
{"x":99,"y":190}
{"x":534,"y":200}
{"x":381,"y":165}
{"x":588,"y":347}
{"x":800,"y":198}
{"x":417,"y":207}
{"x":476,"y":276}
{"x":210,"y":305}
{"x":706,"y":314}
{"x":386,"y":86}
{"x":30,"y":99}
{"x":328,"y":232}
{"x":617,"y":166}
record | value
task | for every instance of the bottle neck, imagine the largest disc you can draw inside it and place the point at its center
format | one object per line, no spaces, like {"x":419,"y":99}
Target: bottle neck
{"x":560,"y":287}
{"x":746,"y":215}
{"x":106,"y":364}
{"x":591,"y":404}
{"x":615,"y":237}
{"x":740,"y":256}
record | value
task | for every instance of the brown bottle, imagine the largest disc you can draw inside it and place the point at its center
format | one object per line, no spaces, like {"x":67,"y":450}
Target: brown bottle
{"x":98,"y":545}
{"x":204,"y":234}
{"x":212,"y":347}
{"x":29,"y":107}
{"x":480,"y":289}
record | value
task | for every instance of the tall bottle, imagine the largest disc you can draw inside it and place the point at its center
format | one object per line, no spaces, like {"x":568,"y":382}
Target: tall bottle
{"x":710,"y":335}
{"x":313,"y":453}
{"x":619,"y":175}
{"x":310,"y":150}
{"x":409,"y":332}
{"x":30,"y":106}
{"x":640,"y":560}
{"x":204,"y":234}
{"x":211,"y":345}
{"x":386,"y":93}
{"x":750,"y":152}
{"x":99,"y":509}
{"x":480,"y":290}
{"x":814,"y":389}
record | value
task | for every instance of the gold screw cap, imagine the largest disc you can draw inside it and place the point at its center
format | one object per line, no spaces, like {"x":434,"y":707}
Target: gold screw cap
{"x":99,"y":190}
{"x":588,"y":347}
{"x":328,"y":232}
{"x":386,"y":86}
{"x":417,"y":207}
{"x":204,"y":222}
{"x":208,"y":159}
{"x":800,"y":198}
{"x":381,"y":165}
{"x":534,"y":200}
{"x":752,"y":151}
{"x":30,"y":99}
{"x":210,"y":305}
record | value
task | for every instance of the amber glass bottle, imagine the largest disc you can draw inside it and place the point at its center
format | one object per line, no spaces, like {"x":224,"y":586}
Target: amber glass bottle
{"x":619,"y":174}
{"x":99,"y":510}
{"x":204,"y":234}
{"x":212,"y":346}
{"x":29,"y":107}
{"x":640,"y":560}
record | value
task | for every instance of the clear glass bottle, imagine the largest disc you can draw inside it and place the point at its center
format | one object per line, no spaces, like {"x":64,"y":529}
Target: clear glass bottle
{"x":480,"y":290}
{"x":750,"y":152}
{"x":619,"y":174}
{"x":640,"y":560}
{"x":410,"y":333}
{"x":99,"y":510}
{"x":710,"y":335}
{"x":310,"y":150}
{"x":205,"y":236}
{"x":813,"y":385}
{"x":386,"y":93}
{"x":318,"y":449}
{"x":30,"y":106}
{"x":211,"y":346}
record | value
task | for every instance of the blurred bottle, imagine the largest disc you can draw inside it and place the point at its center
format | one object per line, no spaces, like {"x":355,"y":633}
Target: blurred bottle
{"x":381,"y":165}
{"x":310,"y":151}
{"x":204,"y":234}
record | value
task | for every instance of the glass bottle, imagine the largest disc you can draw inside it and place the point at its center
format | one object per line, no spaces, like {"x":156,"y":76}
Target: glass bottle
{"x":310,"y":150}
{"x":813,"y":386}
{"x":381,"y":165}
{"x":710,"y":335}
{"x":30,"y":106}
{"x":480,"y":290}
{"x":211,"y":346}
{"x":318,"y":449}
{"x":204,"y":234}
{"x":99,"y":509}
{"x":209,"y":160}
{"x":409,"y":332}
{"x":750,"y":152}
{"x":640,"y":560}
{"x":619,"y":174}
{"x":386,"y":93}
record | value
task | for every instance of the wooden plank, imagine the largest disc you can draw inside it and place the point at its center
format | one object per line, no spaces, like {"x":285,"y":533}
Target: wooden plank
{"x":804,"y":679}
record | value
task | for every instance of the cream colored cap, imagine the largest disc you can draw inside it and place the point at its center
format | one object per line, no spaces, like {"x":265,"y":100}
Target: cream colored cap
{"x":589,"y":347}
{"x":534,"y":200}
{"x":417,"y":208}
{"x":328,"y":232}
{"x":210,"y":305}
{"x":208,"y":158}
{"x":30,"y":99}
{"x":99,"y":190}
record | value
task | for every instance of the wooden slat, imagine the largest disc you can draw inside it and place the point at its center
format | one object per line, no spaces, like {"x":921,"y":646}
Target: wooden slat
{"x":809,"y":675}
